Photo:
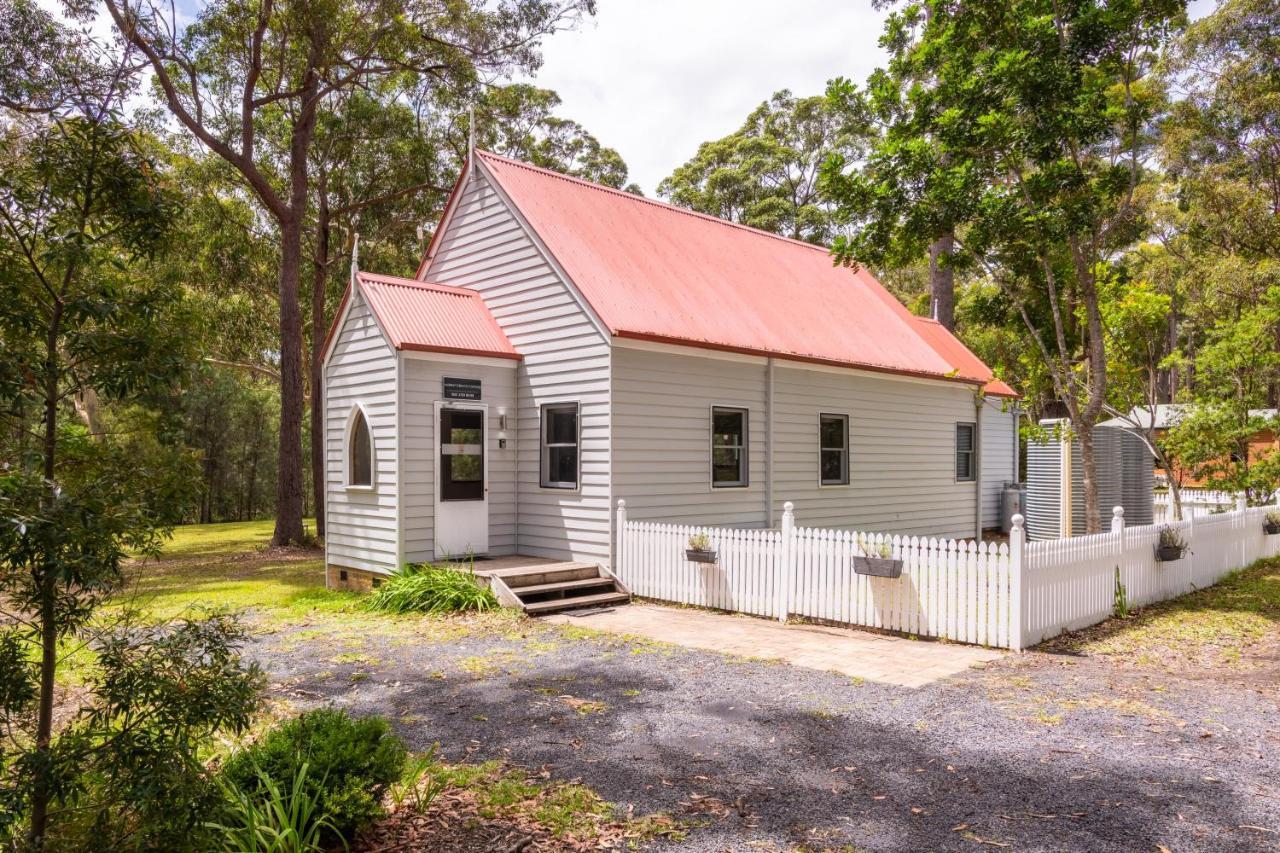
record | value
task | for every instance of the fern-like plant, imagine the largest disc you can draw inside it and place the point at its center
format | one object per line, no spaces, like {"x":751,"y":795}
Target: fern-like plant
{"x":423,"y":588}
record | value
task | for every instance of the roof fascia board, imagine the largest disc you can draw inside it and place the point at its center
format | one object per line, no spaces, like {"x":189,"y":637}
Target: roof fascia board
{"x":349,"y":300}
{"x":450,"y":208}
{"x":629,"y":341}
{"x":441,"y":357}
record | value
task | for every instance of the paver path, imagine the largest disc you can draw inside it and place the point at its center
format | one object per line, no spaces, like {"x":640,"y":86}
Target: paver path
{"x":1030,"y":752}
{"x":858,"y":654}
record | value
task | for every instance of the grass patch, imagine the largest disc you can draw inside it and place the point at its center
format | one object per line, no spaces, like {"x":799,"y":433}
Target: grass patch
{"x":1209,"y":627}
{"x":566,"y":809}
{"x":423,"y":588}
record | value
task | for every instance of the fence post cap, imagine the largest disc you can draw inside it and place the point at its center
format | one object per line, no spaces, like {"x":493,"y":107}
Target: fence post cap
{"x":1117,"y":512}
{"x":1018,"y":521}
{"x":622,"y":503}
{"x":788,"y":506}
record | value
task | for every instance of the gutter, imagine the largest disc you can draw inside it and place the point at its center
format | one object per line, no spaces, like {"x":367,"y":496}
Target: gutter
{"x":768,"y":443}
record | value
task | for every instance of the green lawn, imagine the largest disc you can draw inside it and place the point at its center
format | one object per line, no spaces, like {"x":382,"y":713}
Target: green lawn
{"x":233,"y":565}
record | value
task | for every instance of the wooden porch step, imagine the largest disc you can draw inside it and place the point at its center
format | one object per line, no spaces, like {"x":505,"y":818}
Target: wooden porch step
{"x":600,"y":600}
{"x":545,"y":573}
{"x":561,"y":586}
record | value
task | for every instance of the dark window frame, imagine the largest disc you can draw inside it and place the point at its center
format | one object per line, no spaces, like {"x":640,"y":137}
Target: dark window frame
{"x":970,"y":456}
{"x":844,"y":450}
{"x":545,"y":447}
{"x":743,"y":448}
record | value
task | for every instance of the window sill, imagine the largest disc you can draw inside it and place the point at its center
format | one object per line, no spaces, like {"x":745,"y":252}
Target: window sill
{"x":353,"y":488}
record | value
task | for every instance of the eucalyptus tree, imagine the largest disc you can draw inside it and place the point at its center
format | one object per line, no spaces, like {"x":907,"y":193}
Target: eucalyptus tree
{"x":245,"y":71}
{"x":765,"y":174}
{"x":1047,"y":114}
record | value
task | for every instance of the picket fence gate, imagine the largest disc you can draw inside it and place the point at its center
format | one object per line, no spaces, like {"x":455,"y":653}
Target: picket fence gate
{"x":1002,"y":595}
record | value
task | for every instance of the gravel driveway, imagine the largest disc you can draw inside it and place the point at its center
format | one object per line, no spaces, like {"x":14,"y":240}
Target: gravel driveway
{"x":1037,"y":752}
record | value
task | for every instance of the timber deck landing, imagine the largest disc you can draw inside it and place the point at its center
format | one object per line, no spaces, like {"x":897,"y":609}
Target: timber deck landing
{"x":539,"y":586}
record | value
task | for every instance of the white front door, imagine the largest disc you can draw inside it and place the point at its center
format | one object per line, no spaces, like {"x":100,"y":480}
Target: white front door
{"x":462,"y":482}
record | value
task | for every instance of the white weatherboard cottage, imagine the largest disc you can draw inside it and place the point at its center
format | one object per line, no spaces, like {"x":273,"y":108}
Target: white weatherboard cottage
{"x":564,"y":345}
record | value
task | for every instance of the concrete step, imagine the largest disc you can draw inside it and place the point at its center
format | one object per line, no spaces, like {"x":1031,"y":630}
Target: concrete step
{"x":565,"y":587}
{"x":604,"y":599}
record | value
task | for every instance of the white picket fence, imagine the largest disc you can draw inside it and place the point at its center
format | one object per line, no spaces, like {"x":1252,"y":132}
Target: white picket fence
{"x":1195,"y":503}
{"x":994,"y":594}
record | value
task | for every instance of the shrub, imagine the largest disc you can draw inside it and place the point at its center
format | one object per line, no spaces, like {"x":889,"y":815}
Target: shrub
{"x":432,"y":589}
{"x":267,"y":818}
{"x":350,"y":763}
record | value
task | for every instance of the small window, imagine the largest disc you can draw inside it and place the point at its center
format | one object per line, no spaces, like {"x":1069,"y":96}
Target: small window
{"x":560,"y":446}
{"x":359,"y":452}
{"x":728,"y":448}
{"x":833,"y":449}
{"x":964,"y":453}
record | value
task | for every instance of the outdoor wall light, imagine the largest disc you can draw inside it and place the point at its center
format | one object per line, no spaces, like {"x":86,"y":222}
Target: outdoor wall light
{"x":502,"y":427}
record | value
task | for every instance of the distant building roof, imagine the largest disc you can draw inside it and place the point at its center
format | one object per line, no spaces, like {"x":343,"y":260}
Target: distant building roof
{"x":1166,"y":416}
{"x":655,"y":272}
{"x":427,"y":317}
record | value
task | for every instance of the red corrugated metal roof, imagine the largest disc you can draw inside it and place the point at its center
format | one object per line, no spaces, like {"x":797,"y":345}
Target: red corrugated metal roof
{"x":657,"y":272}
{"x":966,"y":363}
{"x":419,"y":315}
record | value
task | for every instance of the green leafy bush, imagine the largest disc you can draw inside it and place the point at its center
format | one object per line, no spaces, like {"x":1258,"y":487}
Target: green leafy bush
{"x":268,"y":818}
{"x":432,"y":589}
{"x":350,"y":762}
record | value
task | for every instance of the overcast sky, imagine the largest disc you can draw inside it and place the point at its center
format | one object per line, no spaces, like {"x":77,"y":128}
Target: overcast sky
{"x":654,"y":78}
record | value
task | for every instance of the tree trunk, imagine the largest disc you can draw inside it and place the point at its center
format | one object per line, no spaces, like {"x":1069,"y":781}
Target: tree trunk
{"x":1092,"y":503}
{"x":942,"y":280}
{"x":42,"y":787}
{"x":319,"y":287}
{"x":1096,"y":363}
{"x":289,"y":480}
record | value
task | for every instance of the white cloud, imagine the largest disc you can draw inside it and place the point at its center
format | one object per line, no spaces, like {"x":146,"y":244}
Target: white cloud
{"x":654,"y":78}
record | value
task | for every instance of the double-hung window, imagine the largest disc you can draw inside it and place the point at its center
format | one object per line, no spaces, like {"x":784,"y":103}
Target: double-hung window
{"x":560,"y":460}
{"x":965,"y":453}
{"x":728,"y":448}
{"x":833,"y":450}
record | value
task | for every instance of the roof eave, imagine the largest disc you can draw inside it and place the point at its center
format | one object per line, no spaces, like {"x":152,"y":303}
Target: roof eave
{"x":804,"y":359}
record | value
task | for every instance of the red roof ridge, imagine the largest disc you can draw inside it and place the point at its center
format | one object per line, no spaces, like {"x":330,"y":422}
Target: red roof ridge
{"x":665,"y":205}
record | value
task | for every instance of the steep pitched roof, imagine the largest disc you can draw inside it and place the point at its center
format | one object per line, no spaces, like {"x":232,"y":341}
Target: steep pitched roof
{"x":427,"y":317}
{"x":652,"y":271}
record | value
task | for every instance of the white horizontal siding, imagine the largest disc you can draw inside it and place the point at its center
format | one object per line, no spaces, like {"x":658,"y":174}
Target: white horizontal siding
{"x":662,"y":437}
{"x":566,"y":359}
{"x":361,"y":530}
{"x":421,"y":389}
{"x":999,"y":455}
{"x":902,"y":445}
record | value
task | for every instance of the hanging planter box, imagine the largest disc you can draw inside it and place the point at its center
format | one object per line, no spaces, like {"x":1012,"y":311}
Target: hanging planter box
{"x":878,"y":567}
{"x":1271,"y":528}
{"x":1170,"y":553}
{"x":700,"y":555}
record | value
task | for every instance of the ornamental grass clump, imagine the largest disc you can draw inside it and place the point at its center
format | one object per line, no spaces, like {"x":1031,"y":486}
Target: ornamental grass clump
{"x":423,"y":588}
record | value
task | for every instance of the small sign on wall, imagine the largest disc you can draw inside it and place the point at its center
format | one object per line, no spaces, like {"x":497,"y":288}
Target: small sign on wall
{"x":461,"y":389}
